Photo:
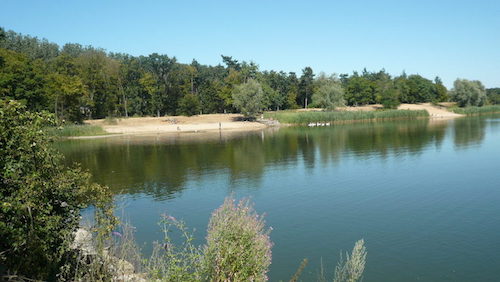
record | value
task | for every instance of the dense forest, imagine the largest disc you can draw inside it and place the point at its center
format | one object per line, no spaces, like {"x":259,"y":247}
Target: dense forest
{"x":78,"y":82}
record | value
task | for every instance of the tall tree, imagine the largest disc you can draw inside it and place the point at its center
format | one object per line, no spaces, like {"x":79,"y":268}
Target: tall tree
{"x":249,"y":98}
{"x":306,"y":86}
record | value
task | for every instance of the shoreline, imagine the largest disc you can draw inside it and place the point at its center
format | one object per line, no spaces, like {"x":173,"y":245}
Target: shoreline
{"x":210,"y":124}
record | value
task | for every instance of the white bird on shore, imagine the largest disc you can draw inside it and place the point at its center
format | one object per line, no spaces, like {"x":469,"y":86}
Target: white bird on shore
{"x":311,"y":124}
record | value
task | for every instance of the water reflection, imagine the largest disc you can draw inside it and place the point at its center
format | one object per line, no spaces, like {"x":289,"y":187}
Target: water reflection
{"x":161,"y":165}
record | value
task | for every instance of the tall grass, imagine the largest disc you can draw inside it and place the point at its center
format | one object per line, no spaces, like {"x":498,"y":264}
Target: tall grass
{"x":293,"y":117}
{"x":238,"y":248}
{"x":76,"y":130}
{"x":477,"y":110}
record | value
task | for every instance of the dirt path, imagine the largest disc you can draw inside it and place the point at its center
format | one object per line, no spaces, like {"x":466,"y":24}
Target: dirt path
{"x":177,"y":124}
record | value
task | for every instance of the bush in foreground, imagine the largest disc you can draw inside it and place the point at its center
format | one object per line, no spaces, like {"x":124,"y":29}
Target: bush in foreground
{"x":238,"y":245}
{"x":40,"y":198}
{"x":351,"y":268}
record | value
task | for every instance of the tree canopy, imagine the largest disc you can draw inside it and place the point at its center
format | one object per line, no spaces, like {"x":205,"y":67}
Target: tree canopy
{"x":249,"y":98}
{"x":78,"y":82}
{"x":468,"y":93}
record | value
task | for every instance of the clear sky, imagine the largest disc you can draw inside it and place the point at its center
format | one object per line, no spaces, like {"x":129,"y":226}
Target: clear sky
{"x":446,"y":38}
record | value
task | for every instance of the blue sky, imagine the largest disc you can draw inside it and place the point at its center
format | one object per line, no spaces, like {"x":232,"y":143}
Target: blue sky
{"x":446,"y":38}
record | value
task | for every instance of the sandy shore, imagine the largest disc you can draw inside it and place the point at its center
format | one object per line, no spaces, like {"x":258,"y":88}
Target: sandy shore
{"x":178,"y":124}
{"x":213,"y":123}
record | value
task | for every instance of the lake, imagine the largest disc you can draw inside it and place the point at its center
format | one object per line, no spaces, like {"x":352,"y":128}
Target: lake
{"x":424,"y":195}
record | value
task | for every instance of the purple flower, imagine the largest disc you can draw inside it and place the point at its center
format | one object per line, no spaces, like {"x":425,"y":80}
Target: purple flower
{"x":118,"y":234}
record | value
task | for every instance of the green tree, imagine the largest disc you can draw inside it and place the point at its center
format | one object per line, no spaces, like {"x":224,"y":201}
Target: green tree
{"x":420,"y":89}
{"x":306,"y":87}
{"x":359,"y":91}
{"x":41,"y":198}
{"x":329,"y":94}
{"x":493,"y":95}
{"x":23,"y":79}
{"x":189,"y":105}
{"x":249,"y":98}
{"x":441,"y":93}
{"x":468,"y":93}
{"x":387,"y":93}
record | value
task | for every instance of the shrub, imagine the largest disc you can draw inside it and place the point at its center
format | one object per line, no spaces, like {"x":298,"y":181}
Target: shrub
{"x":189,"y":105}
{"x":389,"y":98}
{"x":351,"y":268}
{"x":41,"y":199}
{"x":238,"y":246}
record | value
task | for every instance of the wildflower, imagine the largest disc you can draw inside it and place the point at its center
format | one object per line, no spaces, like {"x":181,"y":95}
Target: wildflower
{"x":118,"y":234}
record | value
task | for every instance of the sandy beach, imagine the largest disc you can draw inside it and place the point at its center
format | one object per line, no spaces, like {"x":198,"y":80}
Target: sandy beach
{"x":177,"y":124}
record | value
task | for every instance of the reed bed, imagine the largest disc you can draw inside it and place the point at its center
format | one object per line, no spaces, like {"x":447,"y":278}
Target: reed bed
{"x":294,"y":117}
{"x":477,"y":110}
{"x":76,"y":130}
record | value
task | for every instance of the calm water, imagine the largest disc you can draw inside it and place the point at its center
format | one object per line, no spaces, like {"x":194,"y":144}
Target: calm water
{"x":424,"y":195}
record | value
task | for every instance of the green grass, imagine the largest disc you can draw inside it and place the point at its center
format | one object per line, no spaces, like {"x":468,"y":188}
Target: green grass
{"x":76,"y":130}
{"x":477,"y":110}
{"x":293,"y":117}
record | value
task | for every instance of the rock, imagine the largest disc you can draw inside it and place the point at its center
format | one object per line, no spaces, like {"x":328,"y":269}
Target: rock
{"x":83,"y":242}
{"x":120,"y":269}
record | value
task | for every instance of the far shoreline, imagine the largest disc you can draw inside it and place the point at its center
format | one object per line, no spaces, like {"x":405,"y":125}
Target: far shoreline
{"x":209,"y":124}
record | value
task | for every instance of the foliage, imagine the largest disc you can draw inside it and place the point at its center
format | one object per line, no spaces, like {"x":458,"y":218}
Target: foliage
{"x":329,"y":94}
{"x":351,"y":268}
{"x":238,"y":246}
{"x":189,"y":105}
{"x":249,"y":98}
{"x":293,"y":117}
{"x":389,"y":98}
{"x":41,"y":199}
{"x":468,"y":93}
{"x":76,"y":82}
{"x":477,"y":110}
{"x":493,"y":95}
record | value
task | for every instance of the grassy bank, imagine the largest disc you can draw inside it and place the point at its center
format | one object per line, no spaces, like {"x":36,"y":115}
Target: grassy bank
{"x":477,"y":110}
{"x":77,"y":130}
{"x":293,"y":117}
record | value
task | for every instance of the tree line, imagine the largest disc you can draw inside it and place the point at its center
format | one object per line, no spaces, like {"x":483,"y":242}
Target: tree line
{"x":78,"y":82}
